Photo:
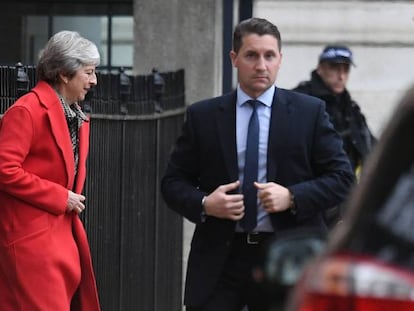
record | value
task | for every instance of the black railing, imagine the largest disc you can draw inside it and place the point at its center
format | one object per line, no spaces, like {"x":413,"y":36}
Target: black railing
{"x":136,"y":242}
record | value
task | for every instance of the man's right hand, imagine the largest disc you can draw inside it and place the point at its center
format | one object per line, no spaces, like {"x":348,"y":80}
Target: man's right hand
{"x":220,"y":204}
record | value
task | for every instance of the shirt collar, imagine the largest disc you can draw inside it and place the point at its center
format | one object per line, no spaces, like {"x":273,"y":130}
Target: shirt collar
{"x":72,"y":110}
{"x":266,"y":98}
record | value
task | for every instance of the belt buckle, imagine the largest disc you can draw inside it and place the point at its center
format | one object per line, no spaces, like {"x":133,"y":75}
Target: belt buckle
{"x":250,"y":238}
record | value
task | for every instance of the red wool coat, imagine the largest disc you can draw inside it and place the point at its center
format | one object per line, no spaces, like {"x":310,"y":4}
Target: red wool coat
{"x":45,"y":261}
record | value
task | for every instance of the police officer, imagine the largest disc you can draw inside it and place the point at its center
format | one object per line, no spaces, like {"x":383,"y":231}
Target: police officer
{"x":328,"y":82}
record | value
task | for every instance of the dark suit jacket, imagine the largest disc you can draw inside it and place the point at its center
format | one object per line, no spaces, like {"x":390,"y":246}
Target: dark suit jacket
{"x":304,"y":154}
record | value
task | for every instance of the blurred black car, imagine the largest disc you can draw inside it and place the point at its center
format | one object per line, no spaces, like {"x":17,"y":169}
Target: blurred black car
{"x":367,"y":262}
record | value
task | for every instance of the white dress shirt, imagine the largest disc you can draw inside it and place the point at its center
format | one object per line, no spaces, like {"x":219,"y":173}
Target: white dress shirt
{"x":243,"y":113}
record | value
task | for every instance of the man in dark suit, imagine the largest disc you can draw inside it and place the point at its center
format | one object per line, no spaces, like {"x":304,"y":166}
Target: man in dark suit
{"x":301,"y":169}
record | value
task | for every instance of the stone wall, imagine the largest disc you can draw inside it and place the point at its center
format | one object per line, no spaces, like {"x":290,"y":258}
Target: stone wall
{"x":380,"y":33}
{"x":178,"y":34}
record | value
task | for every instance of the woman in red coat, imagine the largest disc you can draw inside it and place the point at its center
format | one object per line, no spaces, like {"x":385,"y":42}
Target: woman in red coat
{"x":45,"y":261}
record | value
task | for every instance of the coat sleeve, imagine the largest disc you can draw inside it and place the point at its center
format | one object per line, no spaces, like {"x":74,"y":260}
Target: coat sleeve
{"x":179,"y":185}
{"x":331,"y":177}
{"x":16,"y":138}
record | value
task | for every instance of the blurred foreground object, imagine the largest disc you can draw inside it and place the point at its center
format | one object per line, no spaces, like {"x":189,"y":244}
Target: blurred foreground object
{"x":369,"y":260}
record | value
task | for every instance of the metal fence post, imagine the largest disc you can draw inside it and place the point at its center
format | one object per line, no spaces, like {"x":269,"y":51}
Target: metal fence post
{"x":22,"y":80}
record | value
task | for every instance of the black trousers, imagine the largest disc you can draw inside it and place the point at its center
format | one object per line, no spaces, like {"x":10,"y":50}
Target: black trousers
{"x":237,"y":287}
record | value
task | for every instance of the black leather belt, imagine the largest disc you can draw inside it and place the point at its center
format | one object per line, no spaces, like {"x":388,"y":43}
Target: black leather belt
{"x":252,"y":238}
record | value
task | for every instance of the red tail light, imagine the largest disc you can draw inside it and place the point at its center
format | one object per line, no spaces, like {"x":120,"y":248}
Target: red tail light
{"x":345,"y":283}
{"x":320,"y":302}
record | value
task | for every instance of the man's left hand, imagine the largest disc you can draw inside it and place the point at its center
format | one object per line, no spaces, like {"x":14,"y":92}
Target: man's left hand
{"x":274,"y":197}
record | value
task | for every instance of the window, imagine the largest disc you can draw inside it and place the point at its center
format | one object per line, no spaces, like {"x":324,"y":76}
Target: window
{"x":113,"y":36}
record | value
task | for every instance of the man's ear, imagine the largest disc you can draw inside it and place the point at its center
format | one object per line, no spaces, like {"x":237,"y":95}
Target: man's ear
{"x":233,"y":57}
{"x":319,"y":69}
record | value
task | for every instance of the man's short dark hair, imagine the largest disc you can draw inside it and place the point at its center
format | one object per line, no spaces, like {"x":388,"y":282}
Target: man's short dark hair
{"x":254,"y":25}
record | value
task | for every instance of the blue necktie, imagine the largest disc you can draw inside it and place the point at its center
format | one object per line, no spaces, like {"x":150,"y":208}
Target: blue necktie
{"x":249,"y":221}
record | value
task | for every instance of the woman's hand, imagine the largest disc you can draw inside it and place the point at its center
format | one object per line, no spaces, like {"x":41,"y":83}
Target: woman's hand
{"x":75,"y":203}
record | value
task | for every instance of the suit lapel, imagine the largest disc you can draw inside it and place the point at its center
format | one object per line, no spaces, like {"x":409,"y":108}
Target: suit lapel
{"x":83,"y":153}
{"x":280,"y":127}
{"x":226,"y":124}
{"x":58,"y":124}
{"x":62,"y":138}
